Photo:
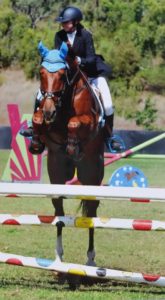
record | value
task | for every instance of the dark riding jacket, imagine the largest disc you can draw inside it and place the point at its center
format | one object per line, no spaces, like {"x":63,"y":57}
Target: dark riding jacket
{"x":93,"y":65}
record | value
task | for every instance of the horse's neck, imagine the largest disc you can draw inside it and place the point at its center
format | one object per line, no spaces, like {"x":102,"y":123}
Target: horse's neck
{"x":80,"y":83}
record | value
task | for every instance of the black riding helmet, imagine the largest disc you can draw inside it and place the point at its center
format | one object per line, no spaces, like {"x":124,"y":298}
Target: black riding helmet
{"x":70,"y":13}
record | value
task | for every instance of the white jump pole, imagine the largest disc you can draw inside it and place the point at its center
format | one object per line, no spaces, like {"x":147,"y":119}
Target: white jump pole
{"x":80,"y":192}
{"x":82,"y":222}
{"x":81,"y":270}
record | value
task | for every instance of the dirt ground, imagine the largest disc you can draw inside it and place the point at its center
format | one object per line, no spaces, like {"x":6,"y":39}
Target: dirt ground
{"x":16,"y":89}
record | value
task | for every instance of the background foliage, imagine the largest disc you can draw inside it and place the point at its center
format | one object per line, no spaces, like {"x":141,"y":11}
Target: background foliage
{"x":130,"y":35}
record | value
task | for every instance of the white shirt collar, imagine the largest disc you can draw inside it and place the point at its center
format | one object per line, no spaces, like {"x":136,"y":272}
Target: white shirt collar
{"x":71,"y":37}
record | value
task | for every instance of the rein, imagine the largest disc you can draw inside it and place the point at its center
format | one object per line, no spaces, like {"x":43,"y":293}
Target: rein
{"x":86,"y":83}
{"x":71,"y":82}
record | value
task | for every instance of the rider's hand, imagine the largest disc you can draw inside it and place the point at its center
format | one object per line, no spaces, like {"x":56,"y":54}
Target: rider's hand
{"x":78,"y":60}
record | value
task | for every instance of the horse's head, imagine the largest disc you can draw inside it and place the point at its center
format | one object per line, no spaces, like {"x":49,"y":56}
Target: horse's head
{"x":52,"y":76}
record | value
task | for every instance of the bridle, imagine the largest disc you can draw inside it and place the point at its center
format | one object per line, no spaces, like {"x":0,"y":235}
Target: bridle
{"x":56,"y":96}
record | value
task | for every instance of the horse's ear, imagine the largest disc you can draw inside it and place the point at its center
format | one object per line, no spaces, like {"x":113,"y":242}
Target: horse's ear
{"x":42,"y":49}
{"x":63,"y":50}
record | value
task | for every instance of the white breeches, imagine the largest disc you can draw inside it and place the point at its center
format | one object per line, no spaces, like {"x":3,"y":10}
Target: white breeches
{"x":102,"y":85}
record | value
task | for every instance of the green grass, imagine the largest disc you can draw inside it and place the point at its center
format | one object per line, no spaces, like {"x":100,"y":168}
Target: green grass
{"x":119,"y":249}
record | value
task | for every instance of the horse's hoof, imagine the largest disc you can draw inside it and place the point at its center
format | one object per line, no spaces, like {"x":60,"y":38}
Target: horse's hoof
{"x":37,"y":148}
{"x":91,"y":263}
{"x":91,"y":256}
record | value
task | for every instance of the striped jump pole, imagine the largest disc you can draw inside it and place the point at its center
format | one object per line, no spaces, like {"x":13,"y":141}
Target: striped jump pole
{"x":80,"y":192}
{"x":140,"y":156}
{"x":114,"y":157}
{"x":83,"y":222}
{"x":134,"y":149}
{"x":81,"y":270}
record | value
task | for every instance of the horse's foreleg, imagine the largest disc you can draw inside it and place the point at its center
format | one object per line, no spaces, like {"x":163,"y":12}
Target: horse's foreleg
{"x":73,"y":127}
{"x":77,"y":124}
{"x":59,"y":211}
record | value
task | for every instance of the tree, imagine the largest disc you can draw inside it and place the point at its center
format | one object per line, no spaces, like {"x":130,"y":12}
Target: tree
{"x":36,"y":10}
{"x":160,"y":40}
{"x":7,"y":17}
{"x":147,"y":116}
{"x":125,"y":59}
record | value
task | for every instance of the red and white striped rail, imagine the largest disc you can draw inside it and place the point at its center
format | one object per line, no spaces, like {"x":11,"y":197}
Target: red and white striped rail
{"x":82,"y":222}
{"x":81,"y":270}
{"x":80,"y":192}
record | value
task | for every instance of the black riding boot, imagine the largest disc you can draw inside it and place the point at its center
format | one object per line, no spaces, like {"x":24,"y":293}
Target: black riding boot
{"x":36,"y":145}
{"x":112,"y":144}
{"x":29,"y":131}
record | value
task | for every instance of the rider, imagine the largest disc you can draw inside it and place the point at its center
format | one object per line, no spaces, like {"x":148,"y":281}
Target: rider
{"x":93,"y":65}
{"x":81,"y":42}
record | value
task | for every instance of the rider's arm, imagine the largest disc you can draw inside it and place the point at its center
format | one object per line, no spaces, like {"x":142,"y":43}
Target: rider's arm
{"x":86,"y":52}
{"x":90,"y":56}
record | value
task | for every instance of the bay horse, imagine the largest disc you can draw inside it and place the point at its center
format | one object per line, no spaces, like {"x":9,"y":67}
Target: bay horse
{"x":71,"y":131}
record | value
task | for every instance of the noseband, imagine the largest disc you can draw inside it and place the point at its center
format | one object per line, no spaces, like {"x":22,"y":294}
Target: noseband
{"x":54,"y":95}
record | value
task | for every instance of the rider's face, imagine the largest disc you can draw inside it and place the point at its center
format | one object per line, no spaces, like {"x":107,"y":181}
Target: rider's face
{"x":69,"y":26}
